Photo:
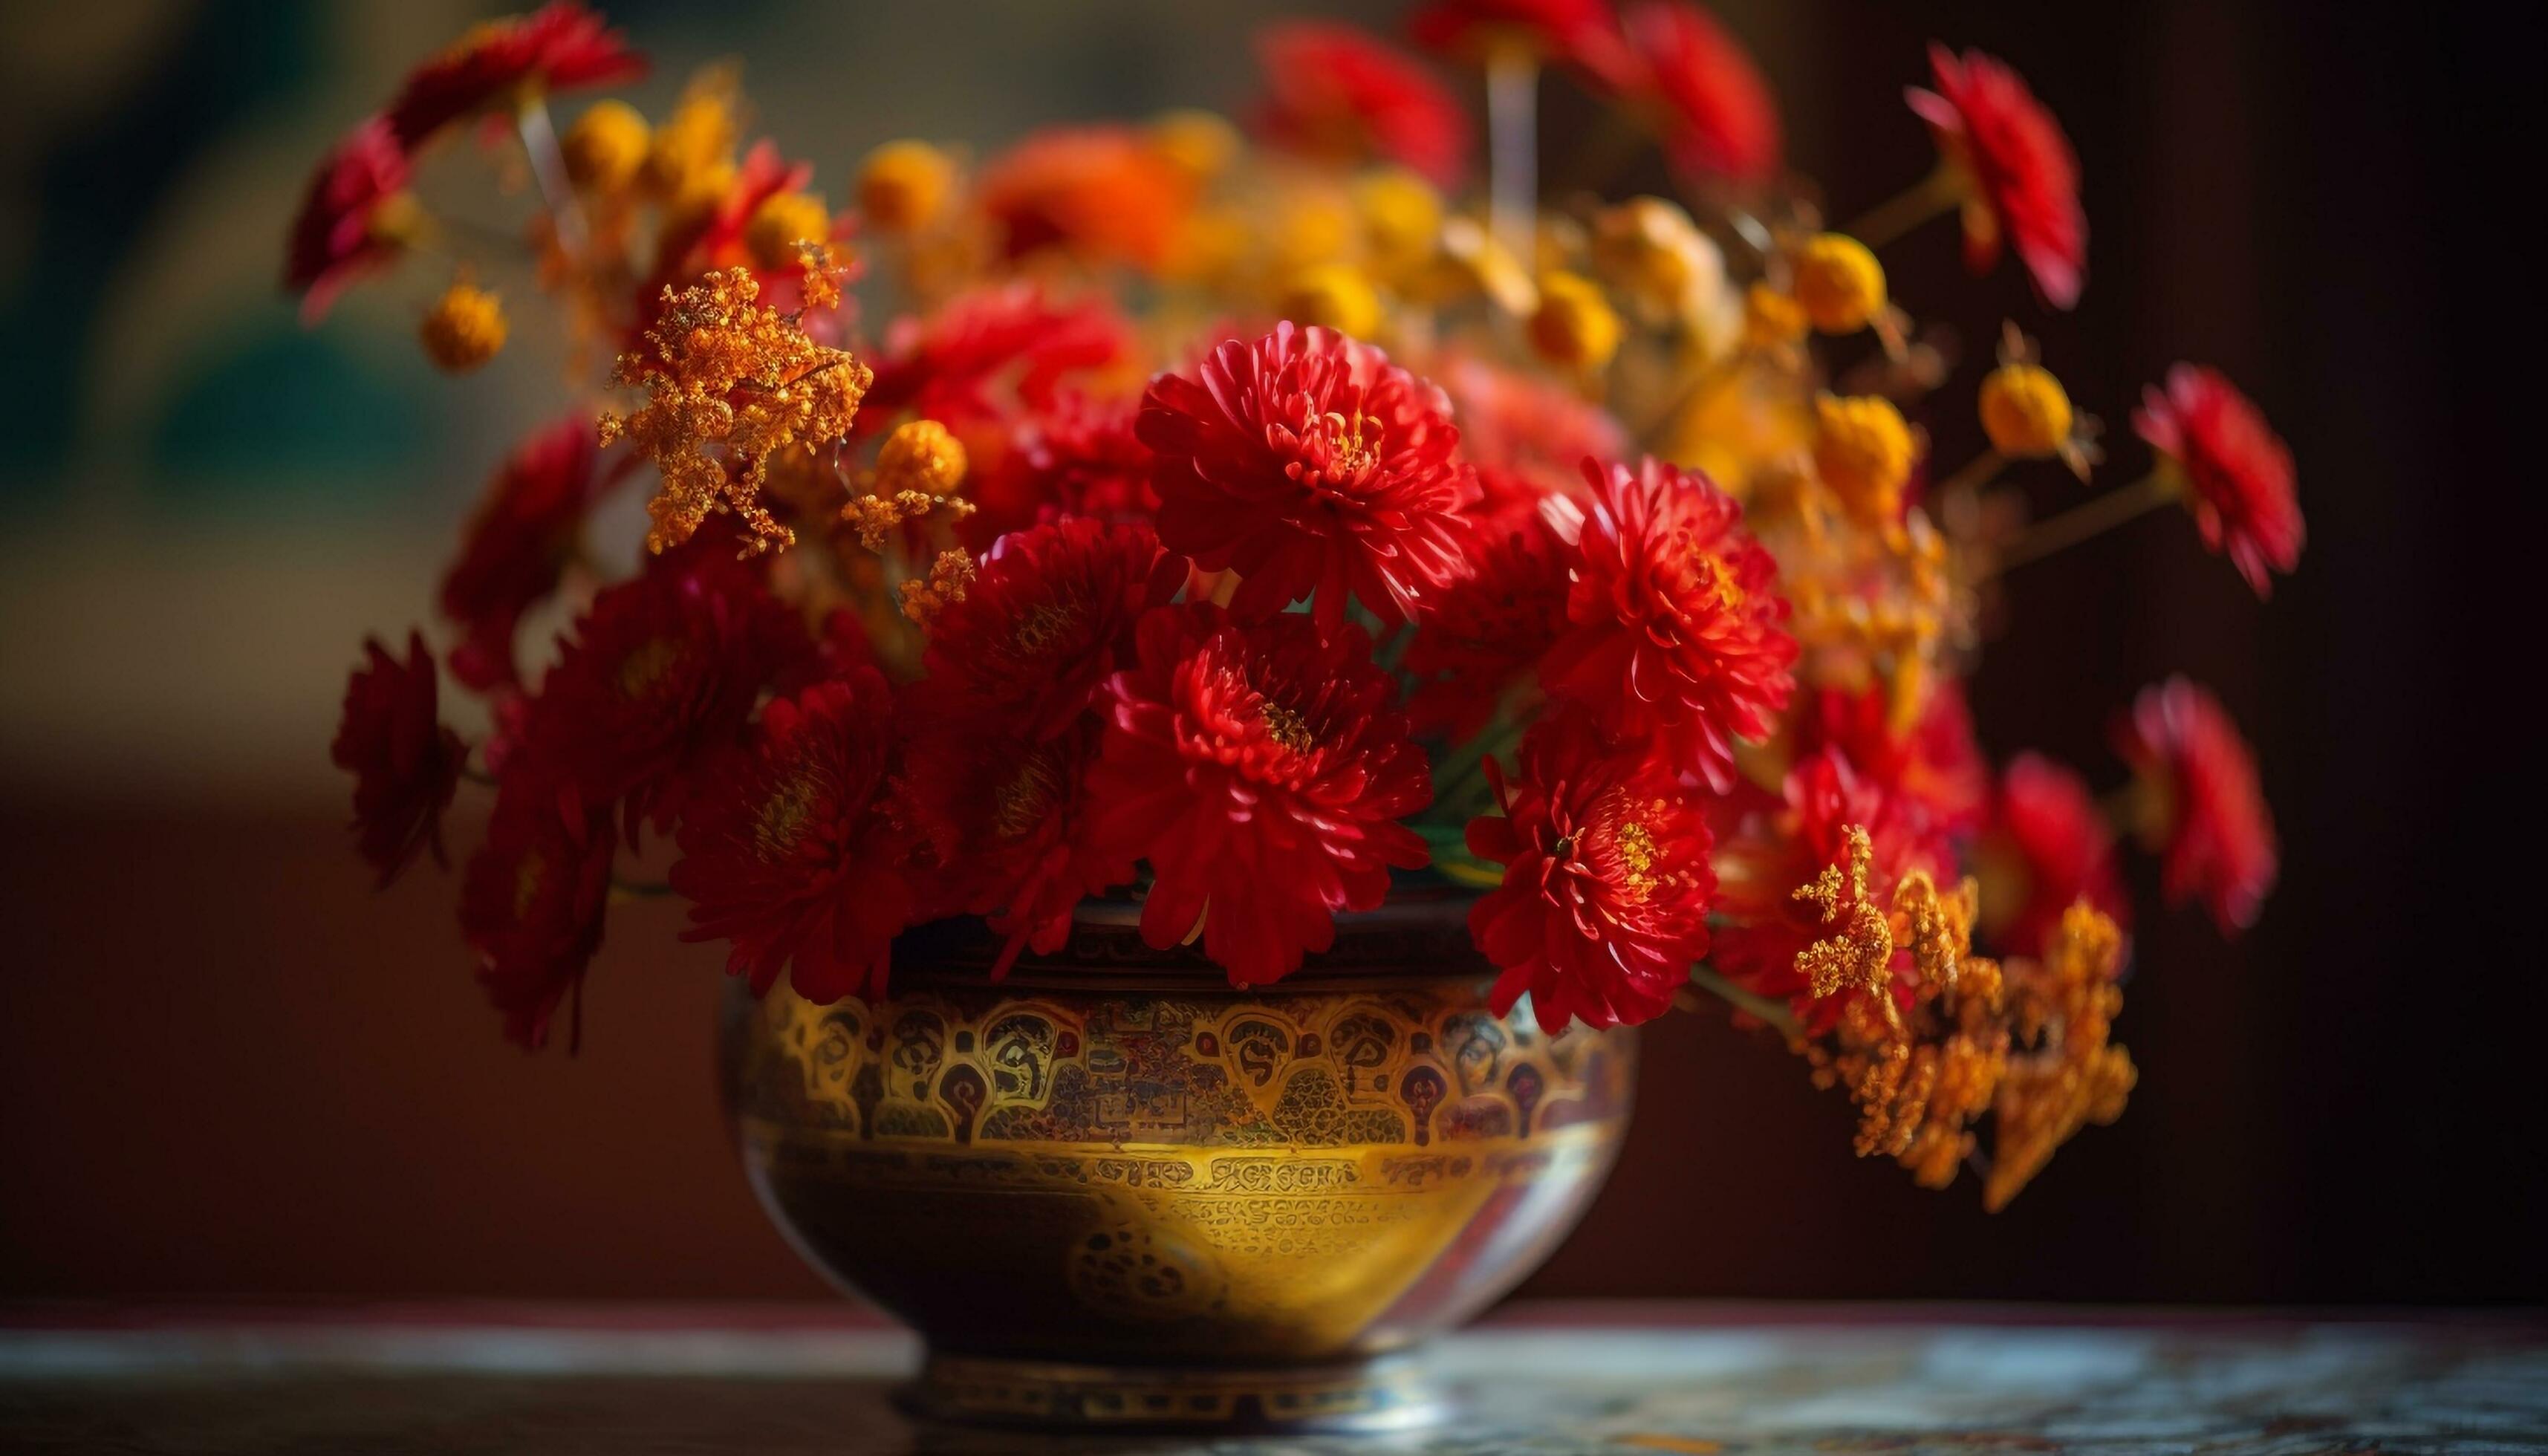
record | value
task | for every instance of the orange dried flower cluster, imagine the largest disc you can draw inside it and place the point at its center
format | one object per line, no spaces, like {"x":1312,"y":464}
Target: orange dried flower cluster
{"x":731,"y":384}
{"x":949,"y":577}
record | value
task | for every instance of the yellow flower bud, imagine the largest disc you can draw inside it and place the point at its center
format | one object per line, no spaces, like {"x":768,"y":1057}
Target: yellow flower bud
{"x":1574,"y":325}
{"x":781,"y":221}
{"x":2025,"y":412}
{"x":1770,"y":319}
{"x":1200,"y":143}
{"x":692,"y":154}
{"x":921,"y":456}
{"x":903,"y":185}
{"x":1863,"y":451}
{"x":464,"y":328}
{"x":606,"y":147}
{"x":1335,"y":296}
{"x":1402,"y":217}
{"x":1648,"y":249}
{"x":1839,"y":283}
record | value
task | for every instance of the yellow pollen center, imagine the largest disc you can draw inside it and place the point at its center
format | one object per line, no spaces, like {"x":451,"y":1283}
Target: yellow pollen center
{"x":1285,"y":726}
{"x":1638,"y":854}
{"x":781,"y":819}
{"x":1043,"y":625}
{"x":526,"y":884}
{"x":1019,"y":804}
{"x":1357,"y":440}
{"x":647,"y":665}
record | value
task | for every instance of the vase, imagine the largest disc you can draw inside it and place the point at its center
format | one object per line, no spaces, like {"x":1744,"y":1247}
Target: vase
{"x":1112,"y":1191}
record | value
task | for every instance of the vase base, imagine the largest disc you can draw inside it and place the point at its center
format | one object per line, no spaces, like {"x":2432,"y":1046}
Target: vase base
{"x":1382,"y":1394}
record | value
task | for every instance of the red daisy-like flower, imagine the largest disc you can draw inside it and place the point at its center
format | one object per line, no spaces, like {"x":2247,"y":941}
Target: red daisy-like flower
{"x":2048,"y":847}
{"x":1933,"y":767}
{"x":2207,"y":821}
{"x":792,"y":851}
{"x":1078,"y":456}
{"x":1048,"y":617}
{"x":532,"y":903}
{"x":2240,"y":471}
{"x":557,"y":47}
{"x":348,"y":225}
{"x":2021,"y":178}
{"x":658,"y":679}
{"x":1718,"y":118}
{"x":1103,"y":193}
{"x":1582,"y":33}
{"x":1606,"y":888}
{"x":1336,"y":91}
{"x":954,"y":364}
{"x":1481,"y":635}
{"x":1306,"y":462}
{"x":517,"y":546}
{"x":1261,"y":769}
{"x":1009,"y":821}
{"x":405,"y":764}
{"x":1672,"y":623}
{"x":1531,"y":429}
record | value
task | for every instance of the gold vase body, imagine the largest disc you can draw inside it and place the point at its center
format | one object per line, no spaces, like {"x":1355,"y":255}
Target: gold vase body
{"x":1112,"y":1189}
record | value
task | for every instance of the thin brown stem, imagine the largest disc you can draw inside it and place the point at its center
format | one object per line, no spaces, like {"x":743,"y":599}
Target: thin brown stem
{"x":1761,"y":1008}
{"x":2098,"y":516}
{"x":1932,"y":196}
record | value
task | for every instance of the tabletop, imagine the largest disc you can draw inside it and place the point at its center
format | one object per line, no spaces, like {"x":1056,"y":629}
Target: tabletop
{"x":1605,"y":1380}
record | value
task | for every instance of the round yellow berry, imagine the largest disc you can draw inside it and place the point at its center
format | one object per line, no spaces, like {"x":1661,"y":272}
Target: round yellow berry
{"x":1770,"y":319}
{"x":1200,"y":143}
{"x":920,"y":455}
{"x":464,"y":328}
{"x":2025,"y":412}
{"x":692,"y":154}
{"x":1334,"y":296}
{"x":783,"y":221}
{"x":1574,"y":325}
{"x":1839,"y":283}
{"x":1648,"y":249}
{"x":1402,"y":218}
{"x":903,"y":185}
{"x":1863,"y":451}
{"x":606,"y":147}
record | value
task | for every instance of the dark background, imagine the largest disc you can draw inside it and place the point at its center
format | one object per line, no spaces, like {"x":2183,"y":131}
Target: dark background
{"x":227,"y":1068}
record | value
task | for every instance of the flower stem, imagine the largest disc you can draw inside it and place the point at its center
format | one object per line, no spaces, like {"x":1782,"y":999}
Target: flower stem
{"x":2101,"y":514}
{"x":1760,"y":1007}
{"x":1976,"y":473}
{"x":1930,"y":196}
{"x":548,"y":169}
{"x":1512,"y":157}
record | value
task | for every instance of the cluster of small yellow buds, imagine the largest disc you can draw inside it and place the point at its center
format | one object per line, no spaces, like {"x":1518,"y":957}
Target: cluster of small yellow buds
{"x":903,"y":185}
{"x":949,"y":578}
{"x":1772,"y":320}
{"x":920,"y":455}
{"x":606,"y":148}
{"x":1335,"y":295}
{"x":778,"y":227}
{"x":1574,"y":325}
{"x":689,"y":158}
{"x":1839,"y":283}
{"x":1655,"y":255}
{"x":1200,"y":143}
{"x":1864,"y":450}
{"x":1402,"y":218}
{"x":464,"y":328}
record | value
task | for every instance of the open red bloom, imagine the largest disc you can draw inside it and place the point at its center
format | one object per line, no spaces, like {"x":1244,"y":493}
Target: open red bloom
{"x":1101,"y":193}
{"x":557,"y":47}
{"x":658,"y":680}
{"x":517,"y":546}
{"x":1673,"y":624}
{"x":532,"y":903}
{"x":1261,"y":769}
{"x":1336,"y":91}
{"x":405,"y":764}
{"x":1934,"y":769}
{"x":1048,"y":617}
{"x":1532,"y":429}
{"x":1009,"y":821}
{"x":1483,"y":632}
{"x":2048,"y":847}
{"x":1582,"y":33}
{"x":789,"y":852}
{"x":1077,"y":456}
{"x":1718,"y":117}
{"x":951,"y":365}
{"x":2021,"y":178}
{"x":344,"y":229}
{"x":1604,"y":901}
{"x":2207,"y":816}
{"x":1308,"y":461}
{"x":2240,"y":470}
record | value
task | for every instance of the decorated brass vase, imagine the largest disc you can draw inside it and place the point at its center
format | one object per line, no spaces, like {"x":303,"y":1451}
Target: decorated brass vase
{"x":1112,"y":1190}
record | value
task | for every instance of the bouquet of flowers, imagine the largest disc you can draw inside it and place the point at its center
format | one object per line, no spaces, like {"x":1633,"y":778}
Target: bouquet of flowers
{"x":1252,"y":520}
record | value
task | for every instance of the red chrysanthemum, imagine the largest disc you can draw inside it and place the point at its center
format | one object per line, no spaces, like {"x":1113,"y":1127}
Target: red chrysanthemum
{"x":1008,"y":818}
{"x":1103,"y":193}
{"x":1306,"y":461}
{"x":2021,"y":178}
{"x":1481,"y":635}
{"x":405,"y":764}
{"x":1934,"y":769}
{"x":1077,"y":456}
{"x":517,"y":546}
{"x":1717,"y":115}
{"x":1531,"y":429}
{"x":557,"y":47}
{"x":658,"y":679}
{"x":1673,"y":624}
{"x":1336,"y":91}
{"x":2240,"y":470}
{"x":1262,"y":769}
{"x":342,"y":230}
{"x":532,"y":903}
{"x":1606,"y":888}
{"x":790,"y":848}
{"x":2207,"y":817}
{"x":1048,"y":618}
{"x":1582,"y":33}
{"x":954,"y":364}
{"x":2048,"y":847}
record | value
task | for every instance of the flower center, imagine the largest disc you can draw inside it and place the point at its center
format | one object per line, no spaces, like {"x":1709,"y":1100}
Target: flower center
{"x":1637,"y":855}
{"x":643,"y":668}
{"x":1043,"y":625}
{"x":1285,"y":726}
{"x":1021,"y":805}
{"x":526,"y":884}
{"x":781,"y":818}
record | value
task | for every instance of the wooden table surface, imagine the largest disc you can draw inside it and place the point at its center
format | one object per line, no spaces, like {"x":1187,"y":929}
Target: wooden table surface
{"x":1603,"y":1380}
